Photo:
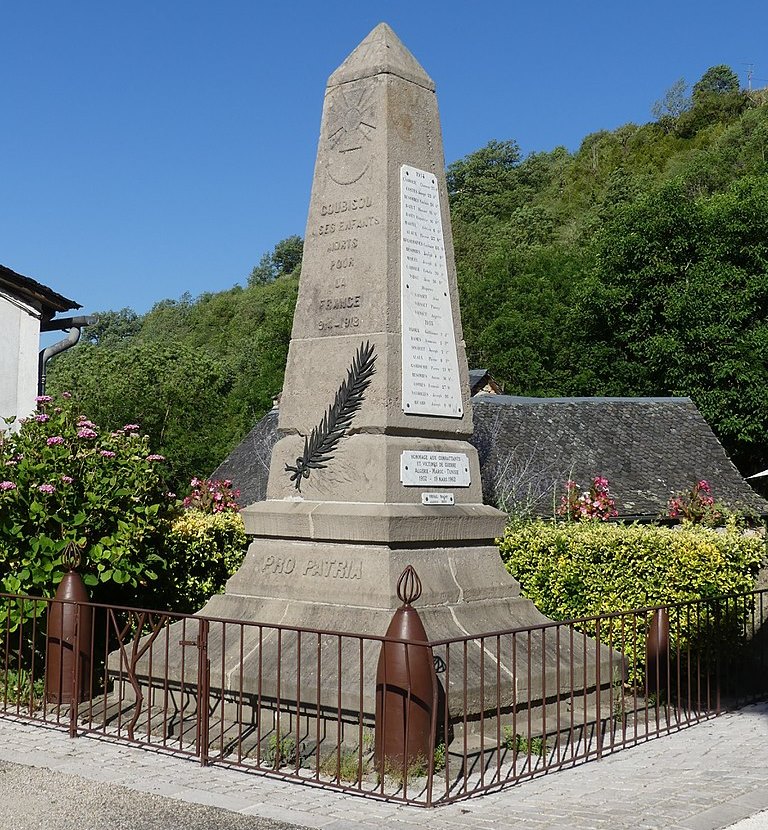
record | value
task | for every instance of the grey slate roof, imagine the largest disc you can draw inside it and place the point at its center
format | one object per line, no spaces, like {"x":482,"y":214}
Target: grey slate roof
{"x":648,"y":448}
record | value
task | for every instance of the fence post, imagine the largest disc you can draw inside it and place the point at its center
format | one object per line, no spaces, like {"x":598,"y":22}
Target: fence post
{"x":405,"y":687}
{"x":657,"y":654}
{"x":203,"y":691}
{"x":68,"y":655}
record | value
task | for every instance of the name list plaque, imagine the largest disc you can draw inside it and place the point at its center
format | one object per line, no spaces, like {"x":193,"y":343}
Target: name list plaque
{"x":430,"y":368}
{"x":434,"y":469}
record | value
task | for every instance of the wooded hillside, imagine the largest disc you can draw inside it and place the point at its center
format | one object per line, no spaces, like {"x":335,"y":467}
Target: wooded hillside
{"x":637,"y":265}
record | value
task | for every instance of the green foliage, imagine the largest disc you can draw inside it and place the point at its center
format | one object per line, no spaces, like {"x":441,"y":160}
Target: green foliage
{"x":677,"y":305}
{"x":519,"y":743}
{"x":66,"y":481}
{"x":18,"y":687}
{"x":281,"y":750}
{"x":196,"y":374}
{"x":201,"y":550}
{"x":717,"y":80}
{"x":584,"y":569}
{"x":174,"y":390}
{"x":346,"y":765}
{"x":285,"y":259}
{"x":587,"y":568}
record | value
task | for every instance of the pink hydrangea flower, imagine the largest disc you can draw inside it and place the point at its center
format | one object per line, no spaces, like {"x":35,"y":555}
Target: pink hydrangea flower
{"x":66,"y":395}
{"x":107,"y":454}
{"x":43,"y":399}
{"x":86,"y":432}
{"x":7,"y":485}
{"x":155,"y":457}
{"x":41,"y":418}
{"x":54,"y":440}
{"x":67,"y":479}
{"x":47,"y":488}
{"x":131,"y":427}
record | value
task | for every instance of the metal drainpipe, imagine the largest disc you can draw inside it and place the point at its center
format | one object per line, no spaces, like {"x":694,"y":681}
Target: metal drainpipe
{"x":72,"y":338}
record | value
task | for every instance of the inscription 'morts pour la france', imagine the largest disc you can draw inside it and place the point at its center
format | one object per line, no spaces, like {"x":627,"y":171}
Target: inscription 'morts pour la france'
{"x":434,"y":469}
{"x":430,"y":370}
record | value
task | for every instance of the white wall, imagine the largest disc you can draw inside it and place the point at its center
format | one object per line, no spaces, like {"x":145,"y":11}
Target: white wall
{"x":19,"y":346}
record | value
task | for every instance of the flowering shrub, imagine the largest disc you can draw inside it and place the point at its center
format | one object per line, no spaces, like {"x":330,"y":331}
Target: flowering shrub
{"x":64,"y":480}
{"x":201,"y":550}
{"x":212,"y":496}
{"x":582,"y":569}
{"x":696,"y":505}
{"x":595,"y":503}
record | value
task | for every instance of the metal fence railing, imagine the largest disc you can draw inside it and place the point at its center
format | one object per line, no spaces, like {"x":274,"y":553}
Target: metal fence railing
{"x":301,"y":703}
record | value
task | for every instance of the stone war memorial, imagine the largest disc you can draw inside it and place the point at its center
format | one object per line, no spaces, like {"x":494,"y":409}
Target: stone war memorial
{"x":373,"y":470}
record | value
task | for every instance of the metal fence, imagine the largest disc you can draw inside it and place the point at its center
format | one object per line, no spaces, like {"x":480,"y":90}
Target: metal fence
{"x":301,"y":703}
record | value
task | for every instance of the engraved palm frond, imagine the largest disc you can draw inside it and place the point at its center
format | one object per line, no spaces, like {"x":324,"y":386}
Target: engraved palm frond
{"x":324,"y":438}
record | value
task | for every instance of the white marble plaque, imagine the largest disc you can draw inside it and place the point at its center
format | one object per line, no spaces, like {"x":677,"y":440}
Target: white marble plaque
{"x":430,"y":370}
{"x":437,"y":498}
{"x":434,"y":469}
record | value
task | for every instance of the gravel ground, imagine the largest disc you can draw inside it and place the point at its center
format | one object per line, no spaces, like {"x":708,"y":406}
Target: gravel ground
{"x":39,"y":799}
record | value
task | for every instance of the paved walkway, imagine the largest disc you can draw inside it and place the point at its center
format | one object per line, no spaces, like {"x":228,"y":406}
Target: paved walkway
{"x":712,"y":775}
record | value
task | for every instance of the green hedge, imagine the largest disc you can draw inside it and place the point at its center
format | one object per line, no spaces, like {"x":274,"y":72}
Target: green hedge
{"x":201,"y":550}
{"x":582,"y":569}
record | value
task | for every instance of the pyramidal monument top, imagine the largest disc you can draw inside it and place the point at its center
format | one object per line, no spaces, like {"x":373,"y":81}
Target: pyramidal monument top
{"x":381,"y":53}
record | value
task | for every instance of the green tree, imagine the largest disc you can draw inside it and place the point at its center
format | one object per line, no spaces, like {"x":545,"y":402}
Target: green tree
{"x":717,"y":80}
{"x":284,"y":259}
{"x":484,"y":183}
{"x":678,"y":305}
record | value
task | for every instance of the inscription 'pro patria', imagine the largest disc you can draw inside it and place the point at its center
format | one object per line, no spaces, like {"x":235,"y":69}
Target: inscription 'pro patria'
{"x":430,"y":368}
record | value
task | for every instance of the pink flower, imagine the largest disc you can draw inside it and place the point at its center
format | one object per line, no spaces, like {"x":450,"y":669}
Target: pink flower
{"x":171,"y":495}
{"x":155,"y":457}
{"x":66,"y":395}
{"x":7,"y":485}
{"x":54,"y":440}
{"x":42,"y":418}
{"x":43,"y":399}
{"x":82,"y":421}
{"x":47,"y":488}
{"x":131,"y":427}
{"x":85,"y":432}
{"x":67,"y":479}
{"x":107,"y":454}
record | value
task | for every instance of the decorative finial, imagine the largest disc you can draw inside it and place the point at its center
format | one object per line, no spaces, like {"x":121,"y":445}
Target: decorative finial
{"x":408,"y":586}
{"x":70,"y":559}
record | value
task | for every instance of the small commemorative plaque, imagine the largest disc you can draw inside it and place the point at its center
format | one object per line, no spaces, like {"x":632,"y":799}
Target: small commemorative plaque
{"x":437,"y":498}
{"x":434,"y":469}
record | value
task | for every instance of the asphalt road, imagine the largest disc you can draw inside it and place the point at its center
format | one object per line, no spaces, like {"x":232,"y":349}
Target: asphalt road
{"x":39,"y":799}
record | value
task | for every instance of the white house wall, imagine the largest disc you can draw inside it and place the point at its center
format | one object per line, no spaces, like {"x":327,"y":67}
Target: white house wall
{"x":19,"y":345}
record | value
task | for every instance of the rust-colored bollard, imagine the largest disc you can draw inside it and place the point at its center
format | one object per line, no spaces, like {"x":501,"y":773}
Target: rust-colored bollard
{"x":657,"y":653}
{"x":69,"y":629}
{"x":405,"y":686}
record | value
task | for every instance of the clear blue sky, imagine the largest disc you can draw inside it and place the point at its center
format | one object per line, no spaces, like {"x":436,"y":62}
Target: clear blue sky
{"x":154,"y":147}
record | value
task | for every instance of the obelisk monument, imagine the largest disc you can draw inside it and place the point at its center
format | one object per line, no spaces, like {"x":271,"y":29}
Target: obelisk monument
{"x":373,"y":470}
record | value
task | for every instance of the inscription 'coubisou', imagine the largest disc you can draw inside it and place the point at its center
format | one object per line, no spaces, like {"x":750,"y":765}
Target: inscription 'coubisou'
{"x":345,"y":205}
